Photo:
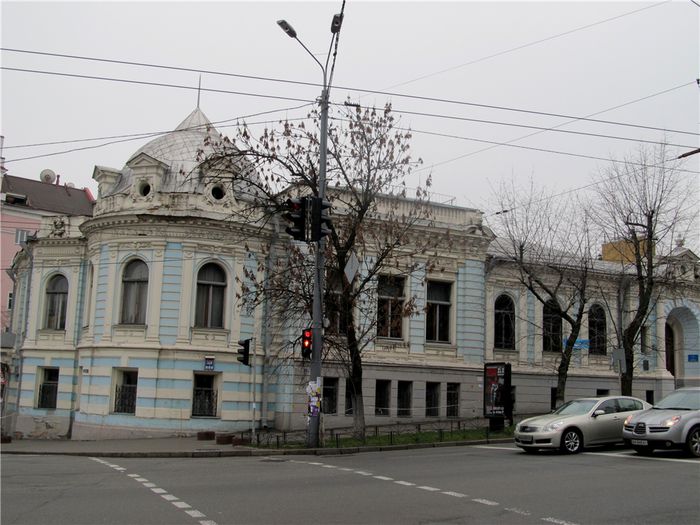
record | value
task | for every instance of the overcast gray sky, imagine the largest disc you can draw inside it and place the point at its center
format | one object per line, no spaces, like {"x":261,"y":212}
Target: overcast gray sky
{"x":567,"y":58}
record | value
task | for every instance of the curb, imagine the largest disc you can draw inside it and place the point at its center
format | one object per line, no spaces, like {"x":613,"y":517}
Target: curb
{"x":255,"y":452}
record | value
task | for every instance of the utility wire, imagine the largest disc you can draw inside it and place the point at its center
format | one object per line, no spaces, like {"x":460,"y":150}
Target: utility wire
{"x":529,"y":44}
{"x":149,"y":134}
{"x":346,"y":88}
{"x":511,"y":145}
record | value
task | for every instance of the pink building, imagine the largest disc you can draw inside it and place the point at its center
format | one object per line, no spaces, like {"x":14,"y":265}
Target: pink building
{"x":23,"y":202}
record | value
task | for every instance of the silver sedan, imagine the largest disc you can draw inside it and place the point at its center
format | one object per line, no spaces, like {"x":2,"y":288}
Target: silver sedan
{"x":578,"y":423}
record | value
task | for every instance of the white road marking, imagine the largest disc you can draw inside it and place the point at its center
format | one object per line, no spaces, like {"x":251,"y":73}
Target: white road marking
{"x":518,"y":511}
{"x":632,"y":455}
{"x":494,"y":447}
{"x":163,"y":493}
{"x":363,"y":473}
{"x":455,"y":494}
{"x":329,"y":466}
{"x":429,"y":489}
{"x":405,"y":483}
{"x":486,"y":502}
{"x":383,"y":478}
{"x":558,"y":522}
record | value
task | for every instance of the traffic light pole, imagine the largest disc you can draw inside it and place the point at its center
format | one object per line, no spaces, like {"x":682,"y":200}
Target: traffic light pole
{"x":317,"y":307}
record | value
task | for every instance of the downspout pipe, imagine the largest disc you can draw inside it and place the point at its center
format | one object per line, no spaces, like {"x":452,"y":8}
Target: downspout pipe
{"x":267,"y":334}
{"x":19,"y":341}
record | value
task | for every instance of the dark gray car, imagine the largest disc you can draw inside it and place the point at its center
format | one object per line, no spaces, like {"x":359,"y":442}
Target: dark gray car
{"x":674,"y":422}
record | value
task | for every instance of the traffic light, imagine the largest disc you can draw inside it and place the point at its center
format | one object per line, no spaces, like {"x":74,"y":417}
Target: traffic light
{"x":320,"y":218}
{"x":244,"y":352}
{"x":296,"y":211}
{"x":306,"y":343}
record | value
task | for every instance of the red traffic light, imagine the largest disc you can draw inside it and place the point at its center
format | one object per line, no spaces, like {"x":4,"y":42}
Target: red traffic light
{"x":306,"y":342}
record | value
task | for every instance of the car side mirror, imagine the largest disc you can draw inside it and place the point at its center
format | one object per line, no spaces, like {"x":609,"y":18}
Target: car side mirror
{"x":598,"y":413}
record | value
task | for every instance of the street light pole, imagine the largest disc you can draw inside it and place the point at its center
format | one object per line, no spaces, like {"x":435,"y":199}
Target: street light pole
{"x":317,"y":305}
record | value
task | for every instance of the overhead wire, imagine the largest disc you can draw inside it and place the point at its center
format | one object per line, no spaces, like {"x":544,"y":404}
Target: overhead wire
{"x":346,"y":88}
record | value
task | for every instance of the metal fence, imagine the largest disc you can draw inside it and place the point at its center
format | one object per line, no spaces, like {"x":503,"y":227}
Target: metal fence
{"x":125,"y":399}
{"x":204,"y":402}
{"x":48,"y":393}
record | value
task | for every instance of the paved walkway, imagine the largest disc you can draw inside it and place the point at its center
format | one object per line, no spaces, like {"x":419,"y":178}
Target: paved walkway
{"x":188,"y":447}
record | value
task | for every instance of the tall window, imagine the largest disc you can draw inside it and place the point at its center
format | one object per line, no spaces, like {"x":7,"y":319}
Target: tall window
{"x":390,"y":306}
{"x":382,"y":396}
{"x":211,"y":290}
{"x":125,"y":391}
{"x":504,"y":323}
{"x":134,"y":292}
{"x":432,"y":399}
{"x":551,"y":327}
{"x":204,"y":395}
{"x":336,"y":309}
{"x":87,"y":301}
{"x":56,"y":300}
{"x":48,"y":388}
{"x":348,"y":398}
{"x":452,"y":399}
{"x":330,"y":395}
{"x":405,"y":397}
{"x":438,"y":312}
{"x":597,"y":337}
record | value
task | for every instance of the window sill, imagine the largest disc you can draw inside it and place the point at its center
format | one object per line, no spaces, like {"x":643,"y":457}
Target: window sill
{"x":48,"y":334}
{"x":210,"y":336}
{"x":126,"y":331}
{"x":205,"y":417}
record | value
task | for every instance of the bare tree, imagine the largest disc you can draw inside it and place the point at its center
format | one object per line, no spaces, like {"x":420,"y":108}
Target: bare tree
{"x":643,"y":203}
{"x":376,"y":221}
{"x":546,"y":241}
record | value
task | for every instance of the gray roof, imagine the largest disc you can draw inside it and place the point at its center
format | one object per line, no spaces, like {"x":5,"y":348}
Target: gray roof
{"x":61,"y":200}
{"x":178,"y":149}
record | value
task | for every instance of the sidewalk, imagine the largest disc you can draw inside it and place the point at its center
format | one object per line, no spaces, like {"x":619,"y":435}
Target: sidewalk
{"x":184,"y":447}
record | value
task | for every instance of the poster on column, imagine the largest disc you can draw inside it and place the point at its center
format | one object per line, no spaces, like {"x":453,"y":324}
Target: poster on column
{"x":497,"y":400}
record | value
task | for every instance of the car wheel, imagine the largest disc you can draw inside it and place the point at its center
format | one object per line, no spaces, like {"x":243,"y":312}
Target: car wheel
{"x":571,"y":441}
{"x":692,"y":442}
{"x":643,"y":451}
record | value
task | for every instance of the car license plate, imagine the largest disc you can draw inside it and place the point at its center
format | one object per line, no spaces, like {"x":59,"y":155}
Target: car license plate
{"x":525,"y":439}
{"x":642,"y":442}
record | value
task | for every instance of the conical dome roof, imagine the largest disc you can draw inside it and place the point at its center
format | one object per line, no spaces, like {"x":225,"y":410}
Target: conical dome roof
{"x":178,"y":150}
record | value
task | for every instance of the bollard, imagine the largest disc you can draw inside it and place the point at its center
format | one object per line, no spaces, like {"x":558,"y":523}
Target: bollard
{"x":278,"y":441}
{"x":337,"y":441}
{"x":440,"y":434}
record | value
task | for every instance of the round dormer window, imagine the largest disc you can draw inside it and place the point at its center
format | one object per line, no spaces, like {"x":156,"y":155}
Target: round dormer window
{"x":218,"y":193}
{"x":144,"y":188}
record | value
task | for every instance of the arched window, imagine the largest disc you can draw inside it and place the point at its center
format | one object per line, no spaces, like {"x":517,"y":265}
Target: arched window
{"x":504,"y":323}
{"x":56,"y":301}
{"x":551,"y":327}
{"x":134,"y":292}
{"x":597,"y":336}
{"x":211,"y":290}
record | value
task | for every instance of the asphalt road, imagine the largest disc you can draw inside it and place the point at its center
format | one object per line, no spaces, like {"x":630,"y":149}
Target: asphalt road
{"x":480,"y":485}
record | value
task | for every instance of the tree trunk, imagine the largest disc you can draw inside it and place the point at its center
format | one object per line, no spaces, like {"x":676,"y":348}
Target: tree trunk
{"x":355,"y":376}
{"x":627,"y":377}
{"x":562,"y":374}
